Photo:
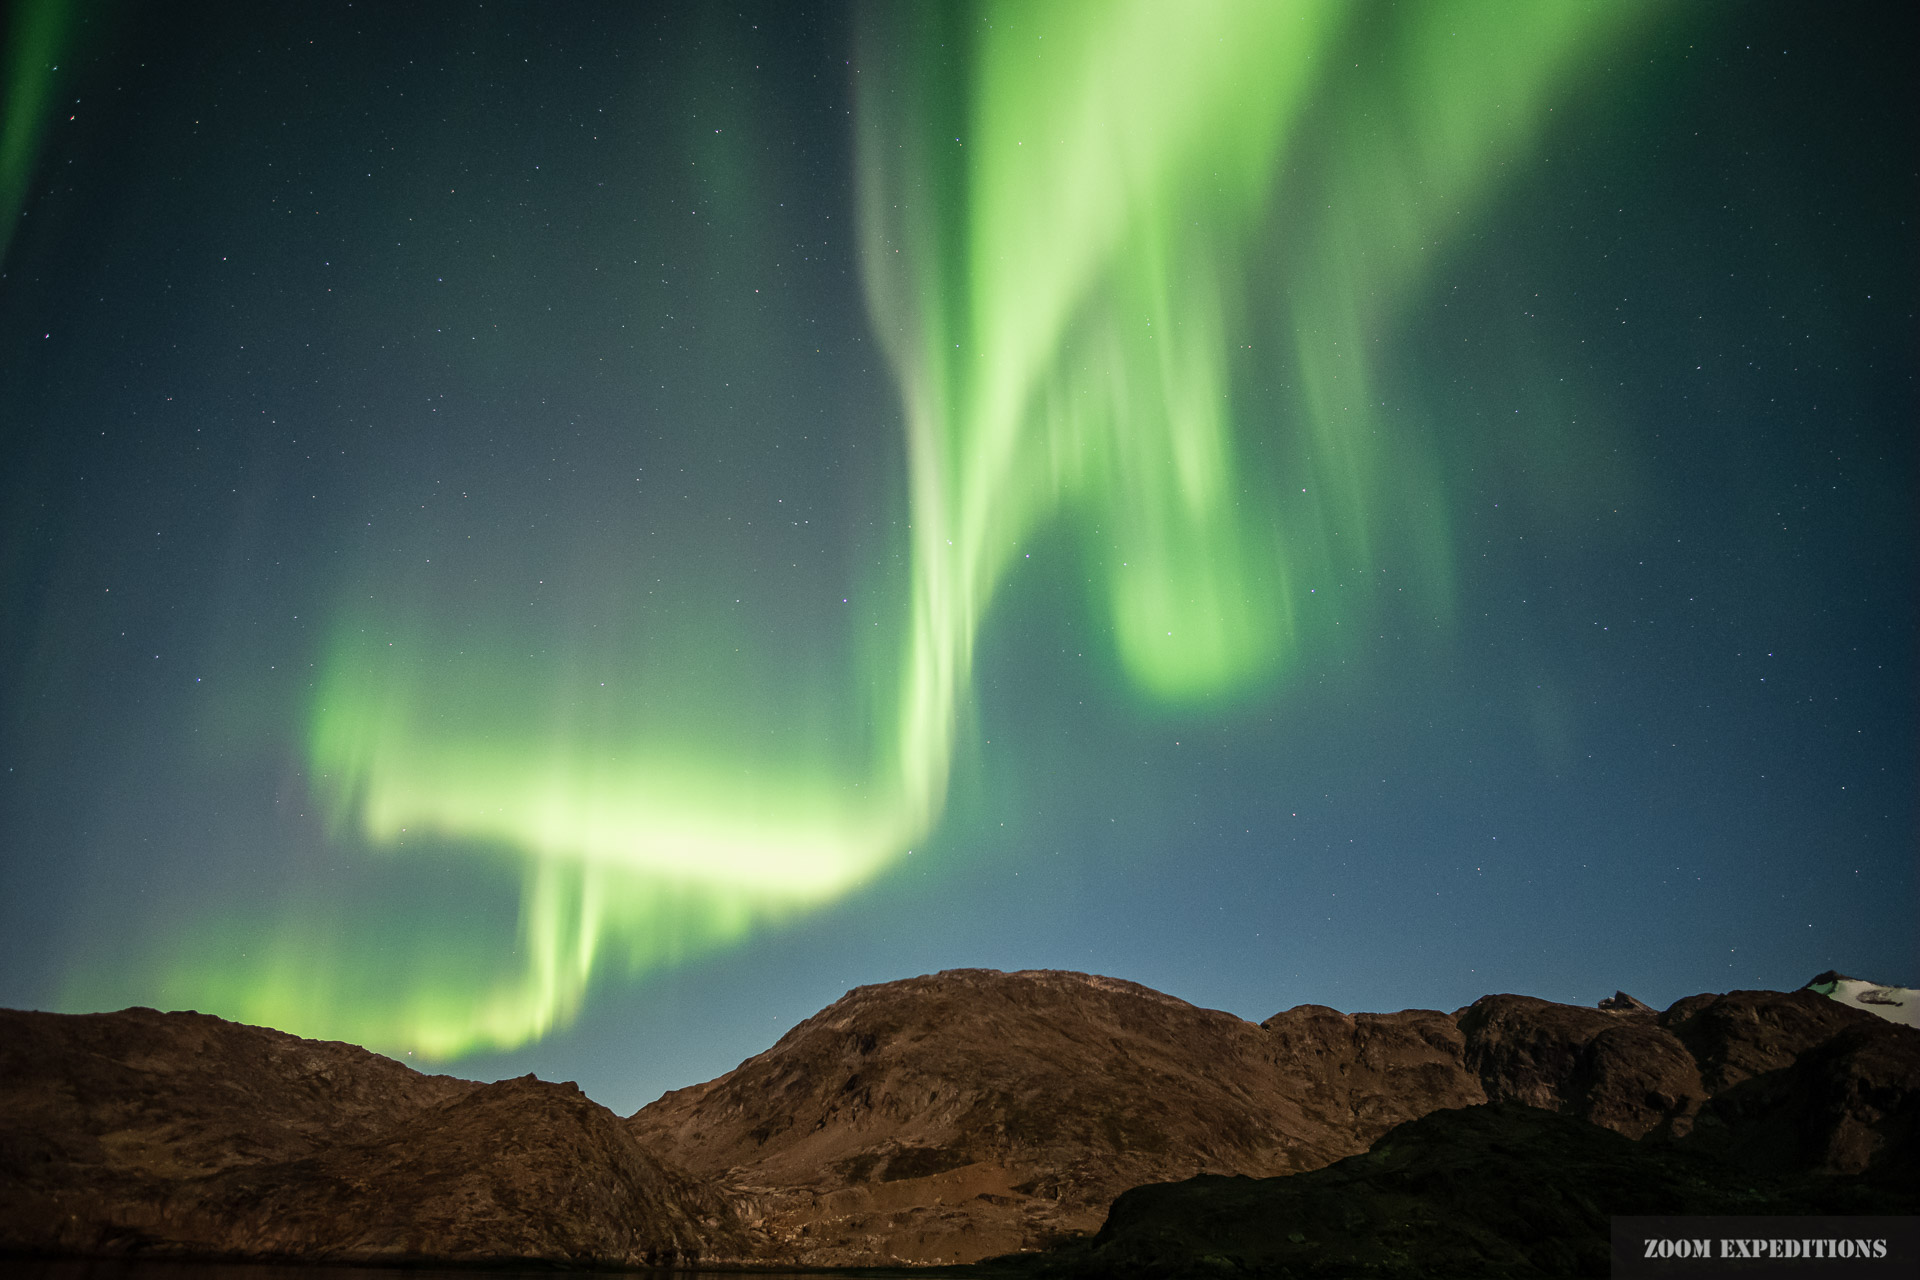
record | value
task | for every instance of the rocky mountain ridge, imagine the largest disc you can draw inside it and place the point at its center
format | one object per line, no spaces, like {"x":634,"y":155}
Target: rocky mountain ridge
{"x":972,"y":1113}
{"x":947,"y":1118}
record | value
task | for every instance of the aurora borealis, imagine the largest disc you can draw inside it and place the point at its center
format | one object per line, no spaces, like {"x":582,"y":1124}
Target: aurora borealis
{"x":534,"y":533}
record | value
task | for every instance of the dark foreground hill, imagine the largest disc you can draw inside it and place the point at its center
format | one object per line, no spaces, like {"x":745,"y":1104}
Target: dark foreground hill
{"x":1502,"y":1191}
{"x":953,"y":1118}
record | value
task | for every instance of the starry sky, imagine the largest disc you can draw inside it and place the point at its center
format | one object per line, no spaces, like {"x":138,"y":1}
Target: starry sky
{"x":564,"y":537}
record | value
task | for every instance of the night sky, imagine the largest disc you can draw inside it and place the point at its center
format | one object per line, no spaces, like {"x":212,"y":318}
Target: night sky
{"x":564,"y":537}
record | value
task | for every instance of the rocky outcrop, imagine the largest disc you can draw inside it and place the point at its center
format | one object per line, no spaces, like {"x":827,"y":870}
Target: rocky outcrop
{"x":177,"y":1095}
{"x":1621,"y":1002}
{"x":1848,"y":1103}
{"x":971,"y":1113}
{"x":1744,"y":1034}
{"x":1363,"y":1073}
{"x":1616,"y":1068}
{"x":181,"y":1134}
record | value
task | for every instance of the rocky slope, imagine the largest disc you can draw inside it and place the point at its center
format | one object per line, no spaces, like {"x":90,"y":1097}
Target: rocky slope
{"x":973,"y":1113}
{"x":945,"y":1118}
{"x":970,"y":1113}
{"x":178,"y":1133}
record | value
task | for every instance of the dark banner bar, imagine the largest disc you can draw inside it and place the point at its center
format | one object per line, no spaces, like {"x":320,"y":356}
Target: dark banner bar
{"x":1683,"y":1248}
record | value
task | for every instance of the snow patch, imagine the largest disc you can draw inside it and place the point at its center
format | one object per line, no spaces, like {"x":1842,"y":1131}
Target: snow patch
{"x":1895,"y":1004}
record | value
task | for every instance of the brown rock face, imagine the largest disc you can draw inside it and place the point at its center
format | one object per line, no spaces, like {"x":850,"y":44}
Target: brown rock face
{"x":944,"y":1118}
{"x":1846,"y":1104}
{"x":1617,"y":1068}
{"x":1745,"y":1034}
{"x":971,"y":1113}
{"x":520,"y":1169}
{"x":174,"y":1095}
{"x":1364,"y":1073}
{"x":184,"y":1134}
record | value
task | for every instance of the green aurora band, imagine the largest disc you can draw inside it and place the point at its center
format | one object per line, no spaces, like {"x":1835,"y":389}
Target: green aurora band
{"x":34,"y":40}
{"x":1085,"y":243}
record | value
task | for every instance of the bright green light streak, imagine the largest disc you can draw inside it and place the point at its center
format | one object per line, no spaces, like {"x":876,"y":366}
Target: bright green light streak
{"x":413,"y":981}
{"x":1057,"y":250}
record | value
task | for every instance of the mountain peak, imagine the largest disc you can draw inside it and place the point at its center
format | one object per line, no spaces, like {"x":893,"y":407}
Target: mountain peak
{"x":1895,"y":1004}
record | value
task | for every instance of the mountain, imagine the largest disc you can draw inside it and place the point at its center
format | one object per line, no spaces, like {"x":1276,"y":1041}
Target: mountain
{"x":181,"y":1134}
{"x":1895,"y":1004}
{"x":948,"y":1118}
{"x":972,"y":1113}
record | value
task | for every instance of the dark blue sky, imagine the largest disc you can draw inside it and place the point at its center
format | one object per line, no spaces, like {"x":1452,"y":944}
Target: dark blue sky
{"x":299,"y":299}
